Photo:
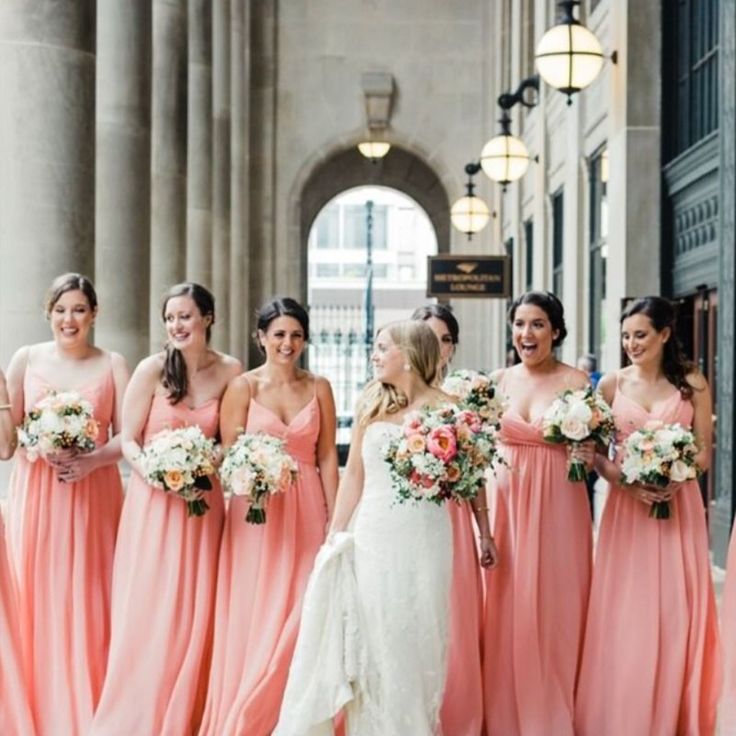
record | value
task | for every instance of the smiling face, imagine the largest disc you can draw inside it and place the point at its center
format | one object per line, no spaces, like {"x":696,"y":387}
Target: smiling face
{"x":533,"y":334}
{"x":71,"y":318}
{"x":186,"y":326}
{"x":388,"y":361}
{"x":641,"y":341}
{"x":283,"y":340}
{"x":447,"y":347}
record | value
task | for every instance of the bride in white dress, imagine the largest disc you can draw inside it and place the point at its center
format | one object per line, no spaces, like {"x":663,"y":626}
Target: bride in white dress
{"x":373,"y":636}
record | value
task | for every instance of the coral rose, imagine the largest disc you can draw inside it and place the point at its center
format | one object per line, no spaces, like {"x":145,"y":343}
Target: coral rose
{"x":174,"y":480}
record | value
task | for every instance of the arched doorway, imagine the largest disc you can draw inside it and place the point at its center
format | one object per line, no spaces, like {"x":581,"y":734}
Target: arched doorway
{"x":367,"y":265}
{"x":405,"y":173}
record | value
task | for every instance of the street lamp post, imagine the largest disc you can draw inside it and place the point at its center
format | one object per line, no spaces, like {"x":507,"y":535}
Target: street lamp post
{"x":368,"y":285}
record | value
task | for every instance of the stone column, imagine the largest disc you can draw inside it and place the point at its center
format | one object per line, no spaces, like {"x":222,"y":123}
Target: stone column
{"x":221,"y":169}
{"x":168,"y":154}
{"x":122,"y":192}
{"x":634,"y":146}
{"x":199,"y":143}
{"x":723,"y":510}
{"x":239,"y":317}
{"x":47,"y":85}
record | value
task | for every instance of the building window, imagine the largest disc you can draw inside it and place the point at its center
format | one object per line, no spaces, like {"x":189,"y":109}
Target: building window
{"x":598,"y":236}
{"x":356,"y":226}
{"x":327,"y":227}
{"x":691,"y":93}
{"x":528,"y":254}
{"x":327,"y":270}
{"x":558,"y":243}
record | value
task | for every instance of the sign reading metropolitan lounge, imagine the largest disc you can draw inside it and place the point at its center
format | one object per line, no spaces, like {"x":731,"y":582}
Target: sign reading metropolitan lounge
{"x":460,"y":276}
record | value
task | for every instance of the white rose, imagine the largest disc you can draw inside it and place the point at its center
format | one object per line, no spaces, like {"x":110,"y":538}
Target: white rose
{"x":574,"y":429}
{"x":580,"y":411}
{"x":680,"y":471}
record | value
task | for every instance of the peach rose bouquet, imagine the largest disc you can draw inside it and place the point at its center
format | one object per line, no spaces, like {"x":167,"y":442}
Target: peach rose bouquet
{"x":440,"y":454}
{"x":257,"y":466}
{"x":576,"y":416}
{"x":180,"y":461}
{"x":61,"y":420}
{"x":657,"y":455}
{"x":476,"y":391}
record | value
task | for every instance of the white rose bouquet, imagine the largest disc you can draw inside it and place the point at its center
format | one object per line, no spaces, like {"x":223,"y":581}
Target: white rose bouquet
{"x":257,"y":466}
{"x":61,"y":420}
{"x":440,"y":454}
{"x":576,"y":416}
{"x":475,"y":391}
{"x":657,"y":455}
{"x":180,"y":461}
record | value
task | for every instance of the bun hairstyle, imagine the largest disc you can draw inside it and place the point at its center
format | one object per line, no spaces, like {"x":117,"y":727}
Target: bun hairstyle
{"x":69,"y":282}
{"x":442,"y":312}
{"x":280,"y":306}
{"x":549,"y":304}
{"x":661,"y":313}
{"x":174,"y":373}
{"x":421,"y":349}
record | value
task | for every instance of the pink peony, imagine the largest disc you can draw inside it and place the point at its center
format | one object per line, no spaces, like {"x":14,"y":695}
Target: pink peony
{"x":442,"y":444}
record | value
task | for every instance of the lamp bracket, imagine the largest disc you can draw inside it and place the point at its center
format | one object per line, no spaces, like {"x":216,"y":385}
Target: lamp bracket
{"x":566,"y":14}
{"x":471,"y":170}
{"x":508,"y":99}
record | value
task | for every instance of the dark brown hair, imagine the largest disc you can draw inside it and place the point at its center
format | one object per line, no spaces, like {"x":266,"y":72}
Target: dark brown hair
{"x":661,"y":313}
{"x":69,"y":282}
{"x":174,"y":373}
{"x":441,"y":312}
{"x":549,"y":304}
{"x":280,"y":306}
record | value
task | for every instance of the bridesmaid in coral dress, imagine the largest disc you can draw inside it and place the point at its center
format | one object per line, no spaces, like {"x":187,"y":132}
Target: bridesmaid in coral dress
{"x":165,"y":562}
{"x":15,"y":713}
{"x":462,"y":708}
{"x":537,"y":597}
{"x":650,"y":660}
{"x":63,"y":514}
{"x":727,"y":712}
{"x":264,"y":569}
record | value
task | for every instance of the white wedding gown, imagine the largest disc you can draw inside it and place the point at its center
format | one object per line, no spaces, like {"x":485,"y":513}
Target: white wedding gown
{"x":373,"y":636}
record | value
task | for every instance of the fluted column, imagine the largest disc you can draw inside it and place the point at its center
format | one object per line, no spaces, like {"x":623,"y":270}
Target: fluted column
{"x":47,"y":86}
{"x":239,"y":176}
{"x":199,"y":143}
{"x":122,"y":192}
{"x":221,"y":168}
{"x":168,"y":154}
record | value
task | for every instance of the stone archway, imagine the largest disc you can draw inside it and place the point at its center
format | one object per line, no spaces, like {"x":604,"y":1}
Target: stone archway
{"x":347,"y":168}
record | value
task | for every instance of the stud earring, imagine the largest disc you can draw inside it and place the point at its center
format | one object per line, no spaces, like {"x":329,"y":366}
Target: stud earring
{"x":407,"y":367}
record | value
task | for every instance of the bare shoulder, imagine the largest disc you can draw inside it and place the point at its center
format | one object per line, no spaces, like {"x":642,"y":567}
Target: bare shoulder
{"x":322,"y":387}
{"x":228,"y":364}
{"x":697,"y":380}
{"x":575,"y":378}
{"x":239,"y":386}
{"x":497,"y":375}
{"x":150,"y":367}
{"x":118,"y":362}
{"x":608,"y":382}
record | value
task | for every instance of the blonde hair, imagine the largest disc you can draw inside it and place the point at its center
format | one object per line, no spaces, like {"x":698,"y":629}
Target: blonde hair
{"x":421,"y":349}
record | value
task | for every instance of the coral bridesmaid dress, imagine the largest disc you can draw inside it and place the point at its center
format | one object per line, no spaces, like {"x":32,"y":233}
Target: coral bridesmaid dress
{"x":462,"y":707}
{"x":261,"y":580}
{"x":537,"y":597}
{"x":61,"y":539}
{"x":15,"y":713}
{"x":650,"y":660}
{"x":163,"y":599}
{"x":728,"y":619}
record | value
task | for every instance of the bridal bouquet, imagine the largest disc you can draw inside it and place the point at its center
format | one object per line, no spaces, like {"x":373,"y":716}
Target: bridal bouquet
{"x":576,"y":416}
{"x":180,"y":461}
{"x":657,"y":455}
{"x":476,"y":391}
{"x":61,"y":420}
{"x":440,"y":454}
{"x":257,"y":466}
